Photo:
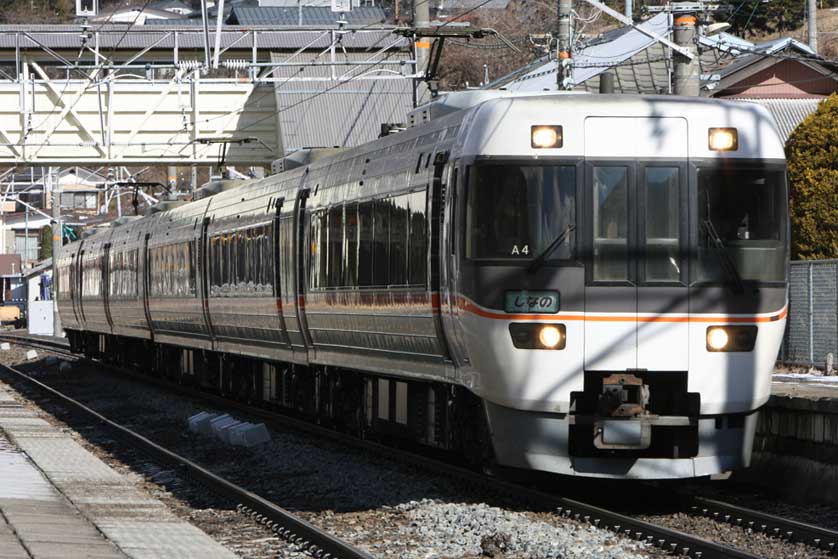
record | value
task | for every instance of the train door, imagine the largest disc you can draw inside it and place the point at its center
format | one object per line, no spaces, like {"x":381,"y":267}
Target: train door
{"x":80,"y":286}
{"x":610,"y":288}
{"x":448,"y":175}
{"x":146,"y":282}
{"x":636,"y":301}
{"x":300,"y":246}
{"x":75,"y":286}
{"x":106,"y":284}
{"x":203,"y":269}
{"x":277,"y":235}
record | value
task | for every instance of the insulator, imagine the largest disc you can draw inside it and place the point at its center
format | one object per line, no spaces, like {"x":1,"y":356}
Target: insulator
{"x":235,"y":64}
{"x":189,"y":64}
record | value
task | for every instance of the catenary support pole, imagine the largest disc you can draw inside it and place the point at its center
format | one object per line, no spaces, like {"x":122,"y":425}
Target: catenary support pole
{"x":812,"y":10}
{"x":606,"y":82}
{"x":422,"y":46}
{"x":564,"y":75}
{"x":685,"y":80}
{"x":57,"y":330}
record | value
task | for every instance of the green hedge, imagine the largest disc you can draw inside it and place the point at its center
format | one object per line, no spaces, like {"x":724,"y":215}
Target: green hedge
{"x":812,"y":152}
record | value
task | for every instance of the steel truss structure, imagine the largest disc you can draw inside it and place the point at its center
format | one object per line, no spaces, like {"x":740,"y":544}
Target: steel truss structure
{"x":74,"y":95}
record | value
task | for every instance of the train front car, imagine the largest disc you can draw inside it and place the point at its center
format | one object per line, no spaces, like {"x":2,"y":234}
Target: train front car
{"x":614,"y":280}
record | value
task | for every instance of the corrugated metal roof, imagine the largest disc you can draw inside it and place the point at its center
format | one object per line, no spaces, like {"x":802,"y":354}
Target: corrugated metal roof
{"x":788,"y":113}
{"x":326,"y":113}
{"x":311,"y":15}
{"x":596,"y":58}
{"x":290,"y":37}
{"x":460,"y":5}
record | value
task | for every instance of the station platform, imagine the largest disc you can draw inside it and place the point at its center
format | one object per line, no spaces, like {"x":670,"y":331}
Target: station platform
{"x":58,"y":500}
{"x":796,"y":443}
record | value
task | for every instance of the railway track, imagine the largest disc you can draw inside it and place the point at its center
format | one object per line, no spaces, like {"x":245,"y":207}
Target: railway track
{"x":673,"y":541}
{"x":294,"y":529}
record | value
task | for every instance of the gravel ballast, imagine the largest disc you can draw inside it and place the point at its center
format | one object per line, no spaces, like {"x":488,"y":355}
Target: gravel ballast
{"x":389,"y":509}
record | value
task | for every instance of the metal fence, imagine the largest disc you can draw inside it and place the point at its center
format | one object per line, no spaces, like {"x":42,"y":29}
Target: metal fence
{"x":812,"y":326}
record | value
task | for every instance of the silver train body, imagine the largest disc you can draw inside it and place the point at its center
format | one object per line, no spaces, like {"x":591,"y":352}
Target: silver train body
{"x":408,"y":283}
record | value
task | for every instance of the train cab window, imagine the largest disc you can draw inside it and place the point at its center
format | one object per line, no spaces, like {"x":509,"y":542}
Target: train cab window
{"x":662,"y":224}
{"x":610,"y":223}
{"x":741,"y":225}
{"x":513,"y":212}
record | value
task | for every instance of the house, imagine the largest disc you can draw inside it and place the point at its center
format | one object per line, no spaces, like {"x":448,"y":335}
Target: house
{"x":784,"y":75}
{"x":25,"y":206}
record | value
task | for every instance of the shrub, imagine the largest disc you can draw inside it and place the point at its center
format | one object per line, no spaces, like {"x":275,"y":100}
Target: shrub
{"x":812,"y":152}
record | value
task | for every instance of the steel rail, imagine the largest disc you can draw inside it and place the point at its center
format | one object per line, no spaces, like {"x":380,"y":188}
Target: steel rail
{"x":777,"y":526}
{"x":671,"y":540}
{"x":287,"y":525}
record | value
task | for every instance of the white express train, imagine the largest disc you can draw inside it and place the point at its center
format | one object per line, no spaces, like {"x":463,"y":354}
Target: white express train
{"x":591,"y":285}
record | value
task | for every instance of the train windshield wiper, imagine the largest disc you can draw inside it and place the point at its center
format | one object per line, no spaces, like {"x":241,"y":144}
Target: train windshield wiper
{"x":539,"y":260}
{"x":719,"y":248}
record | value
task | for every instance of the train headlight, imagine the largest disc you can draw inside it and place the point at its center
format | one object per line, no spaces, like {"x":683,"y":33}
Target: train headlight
{"x":549,"y":336}
{"x":731,"y":338}
{"x":723,"y":139}
{"x":537,"y":335}
{"x":717,"y":339}
{"x":546,"y":136}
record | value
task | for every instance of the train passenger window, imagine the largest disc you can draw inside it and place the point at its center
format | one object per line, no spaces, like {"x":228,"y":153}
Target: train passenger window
{"x":610,"y":221}
{"x":513,"y":212}
{"x":316,"y":268}
{"x":663,"y":261}
{"x":398,"y":240}
{"x":365,"y":244}
{"x":381,"y":242}
{"x":418,"y":239}
{"x":351,"y":225}
{"x":335,"y":258}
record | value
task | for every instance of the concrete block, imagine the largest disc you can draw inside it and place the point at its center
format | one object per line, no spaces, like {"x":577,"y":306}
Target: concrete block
{"x":248,"y":434}
{"x":219,"y":422}
{"x":5,"y":346}
{"x":199,"y":423}
{"x":31,"y":354}
{"x":223,"y":431}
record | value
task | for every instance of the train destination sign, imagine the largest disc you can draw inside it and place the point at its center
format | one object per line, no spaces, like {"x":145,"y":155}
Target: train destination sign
{"x":531,"y":302}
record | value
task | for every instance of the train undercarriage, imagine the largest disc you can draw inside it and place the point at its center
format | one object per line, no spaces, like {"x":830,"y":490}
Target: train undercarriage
{"x":433,"y":414}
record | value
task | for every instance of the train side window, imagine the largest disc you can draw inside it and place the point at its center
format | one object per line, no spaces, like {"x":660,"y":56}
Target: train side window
{"x":662,"y":224}
{"x":319,"y":249}
{"x":418,"y":238}
{"x":381,"y":242}
{"x":365,"y":244}
{"x":610,"y":221}
{"x":351,"y":229}
{"x":398,"y":240}
{"x":335,"y":264}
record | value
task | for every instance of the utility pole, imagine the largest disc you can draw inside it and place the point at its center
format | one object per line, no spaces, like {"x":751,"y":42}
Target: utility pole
{"x":686,"y":76}
{"x":629,"y":9}
{"x":813,"y":24}
{"x":57,"y":330}
{"x":422,"y":47}
{"x":564,"y":77}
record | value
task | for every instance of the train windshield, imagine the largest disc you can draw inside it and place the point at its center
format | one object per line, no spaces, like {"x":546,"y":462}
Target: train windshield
{"x":742,"y":217}
{"x":513,"y":212}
